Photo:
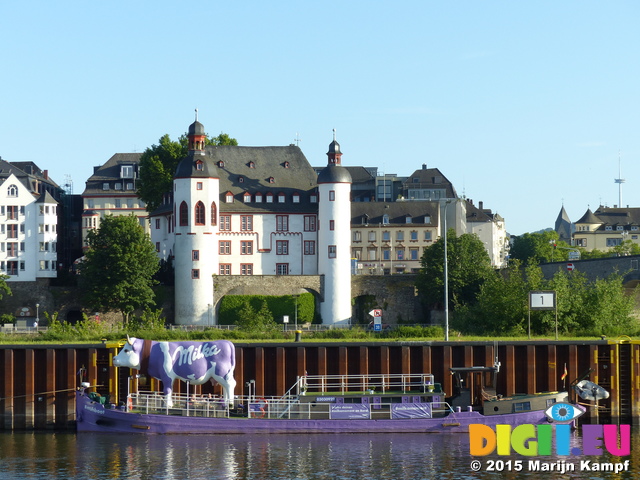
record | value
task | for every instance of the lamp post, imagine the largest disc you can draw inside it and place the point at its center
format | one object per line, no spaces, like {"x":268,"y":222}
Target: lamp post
{"x":446,"y":276}
{"x":295,"y":318}
{"x":37,"y":314}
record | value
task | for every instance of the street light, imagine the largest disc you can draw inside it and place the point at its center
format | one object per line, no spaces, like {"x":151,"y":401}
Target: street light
{"x":295,"y":318}
{"x":446,"y":276}
{"x":37,"y":314}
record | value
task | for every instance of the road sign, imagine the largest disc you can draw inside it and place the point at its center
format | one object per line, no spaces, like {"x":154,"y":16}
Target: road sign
{"x":376,"y":312}
{"x":377,"y":327}
{"x":570,"y":267}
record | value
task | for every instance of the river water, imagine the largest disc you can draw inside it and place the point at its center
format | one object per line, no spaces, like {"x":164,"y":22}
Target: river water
{"x":370,"y":457}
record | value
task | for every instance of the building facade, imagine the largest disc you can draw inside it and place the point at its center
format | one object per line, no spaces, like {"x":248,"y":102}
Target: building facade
{"x":607,"y":228}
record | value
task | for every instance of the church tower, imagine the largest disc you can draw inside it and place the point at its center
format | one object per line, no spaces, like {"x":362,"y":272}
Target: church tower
{"x":196,"y":192}
{"x":334,"y":237}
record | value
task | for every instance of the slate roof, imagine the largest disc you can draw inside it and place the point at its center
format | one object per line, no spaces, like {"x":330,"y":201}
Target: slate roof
{"x":110,"y":172}
{"x":29,"y":174}
{"x":397,"y":211}
{"x":618,"y":216}
{"x":589,"y":217}
{"x":250,"y":169}
{"x":430,"y":178}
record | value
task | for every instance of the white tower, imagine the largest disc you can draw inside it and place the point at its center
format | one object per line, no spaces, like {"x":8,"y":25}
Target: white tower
{"x":334,"y":237}
{"x":196,"y":193}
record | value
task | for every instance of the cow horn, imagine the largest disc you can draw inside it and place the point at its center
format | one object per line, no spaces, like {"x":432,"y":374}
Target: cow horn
{"x":129,"y":340}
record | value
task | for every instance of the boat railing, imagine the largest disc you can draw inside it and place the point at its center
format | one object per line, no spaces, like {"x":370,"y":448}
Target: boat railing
{"x":376,"y":383}
{"x":256,"y":407}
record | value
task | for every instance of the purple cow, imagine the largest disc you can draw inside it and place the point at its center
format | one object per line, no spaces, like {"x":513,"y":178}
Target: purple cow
{"x":193,"y":362}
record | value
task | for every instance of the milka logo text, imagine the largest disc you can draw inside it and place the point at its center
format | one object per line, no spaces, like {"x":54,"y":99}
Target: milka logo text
{"x":193,"y":353}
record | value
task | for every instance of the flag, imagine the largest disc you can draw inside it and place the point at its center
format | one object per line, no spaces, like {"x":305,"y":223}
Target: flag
{"x":564,"y":375}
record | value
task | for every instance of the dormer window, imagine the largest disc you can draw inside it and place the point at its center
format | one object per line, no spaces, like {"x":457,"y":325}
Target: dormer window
{"x":385,"y":219}
{"x":12,"y":191}
{"x":409,"y":219}
{"x":269,"y":197}
{"x":126,"y":171}
{"x":365,"y":219}
{"x":272,"y":180}
{"x":241,"y":179}
{"x":608,"y":228}
{"x":296,"y":197}
{"x":105,"y":186}
{"x":228,"y":197}
{"x":258,"y":197}
{"x":199,"y":165}
{"x":427,"y":219}
{"x":619,"y":227}
{"x":286,"y":164}
{"x":247,"y":197}
{"x":220,"y":164}
{"x":313,"y":198}
{"x":281,"y":197}
{"x":252,"y":164}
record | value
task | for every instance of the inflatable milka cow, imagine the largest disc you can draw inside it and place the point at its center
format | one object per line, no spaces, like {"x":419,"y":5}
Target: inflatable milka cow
{"x":193,"y":362}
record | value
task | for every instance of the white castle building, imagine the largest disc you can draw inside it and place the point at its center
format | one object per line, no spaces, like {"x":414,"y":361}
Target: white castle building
{"x":255,"y":211}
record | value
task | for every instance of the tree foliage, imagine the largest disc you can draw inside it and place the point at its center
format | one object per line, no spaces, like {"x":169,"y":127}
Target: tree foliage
{"x":602,"y":307}
{"x":119,"y":266}
{"x":539,"y":247}
{"x":468,"y":266}
{"x":158,"y":165}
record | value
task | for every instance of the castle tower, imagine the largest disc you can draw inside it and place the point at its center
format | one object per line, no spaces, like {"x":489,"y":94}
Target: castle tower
{"x":334,"y":237}
{"x":196,"y":195}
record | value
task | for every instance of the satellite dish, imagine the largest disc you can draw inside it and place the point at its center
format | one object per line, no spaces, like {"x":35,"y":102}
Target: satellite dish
{"x":590,"y":391}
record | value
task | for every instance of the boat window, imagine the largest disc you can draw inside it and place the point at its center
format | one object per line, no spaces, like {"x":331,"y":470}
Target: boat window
{"x":550,"y":401}
{"x":521,"y":407}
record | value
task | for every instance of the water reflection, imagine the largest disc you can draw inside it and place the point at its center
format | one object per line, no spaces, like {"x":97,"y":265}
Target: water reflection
{"x":391,"y":456}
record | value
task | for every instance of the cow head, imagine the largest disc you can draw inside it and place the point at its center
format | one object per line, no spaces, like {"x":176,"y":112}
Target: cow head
{"x":129,"y":356}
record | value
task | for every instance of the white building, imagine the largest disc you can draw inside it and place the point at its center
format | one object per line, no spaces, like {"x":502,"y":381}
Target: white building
{"x":254,"y":211}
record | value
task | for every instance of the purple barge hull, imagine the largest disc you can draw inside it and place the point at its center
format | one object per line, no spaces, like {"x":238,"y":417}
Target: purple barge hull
{"x":92,"y":416}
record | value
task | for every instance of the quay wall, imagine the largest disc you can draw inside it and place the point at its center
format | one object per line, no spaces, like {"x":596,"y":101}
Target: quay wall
{"x":37,"y":382}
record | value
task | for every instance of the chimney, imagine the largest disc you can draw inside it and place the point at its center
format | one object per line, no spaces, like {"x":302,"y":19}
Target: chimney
{"x":45,"y":174}
{"x":480,"y":204}
{"x":424,"y":166}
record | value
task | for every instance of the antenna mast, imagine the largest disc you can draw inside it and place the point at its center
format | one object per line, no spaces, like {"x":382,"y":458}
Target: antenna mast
{"x":619,"y":181}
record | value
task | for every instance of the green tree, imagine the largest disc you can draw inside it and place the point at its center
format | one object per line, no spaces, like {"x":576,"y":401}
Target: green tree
{"x":260,"y":321}
{"x":468,"y":266}
{"x":158,"y":164}
{"x":539,"y":247}
{"x":117,"y":273}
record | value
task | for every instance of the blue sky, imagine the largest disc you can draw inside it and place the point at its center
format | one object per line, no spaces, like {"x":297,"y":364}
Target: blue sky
{"x":522,"y":105}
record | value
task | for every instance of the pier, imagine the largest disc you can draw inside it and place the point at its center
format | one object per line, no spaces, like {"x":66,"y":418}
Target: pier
{"x":38,"y":382}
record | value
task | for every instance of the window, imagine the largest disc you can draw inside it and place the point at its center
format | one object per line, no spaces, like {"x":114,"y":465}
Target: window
{"x":12,"y":268}
{"x":225,"y":269}
{"x":282,"y":247}
{"x":313,"y":198}
{"x":400,"y":254}
{"x":309,"y":223}
{"x":118,"y":203}
{"x":414,"y":254}
{"x":157,"y":246}
{"x":224,"y":247}
{"x":105,"y":186}
{"x":413,"y":236}
{"x":225,"y":223}
{"x":195,"y":273}
{"x":214,"y":214}
{"x":409,"y":219}
{"x":282,"y":223}
{"x":281,"y":198}
{"x":129,"y":186}
{"x":12,"y":212}
{"x":386,"y":254}
{"x":246,"y":197}
{"x":296,"y":197}
{"x":608,"y":228}
{"x":385,"y":219}
{"x":258,"y":197}
{"x":240,"y":179}
{"x":581,"y":242}
{"x":269,"y":197}
{"x":332,"y":224}
{"x":400,"y":236}
{"x":199,"y":165}
{"x":427,"y":235}
{"x":118,"y":186}
{"x":332,"y":195}
{"x":309,"y":247}
{"x":198,"y":185}
{"x":184,"y":214}
{"x":252,"y":164}
{"x":12,"y":191}
{"x":332,"y":251}
{"x":195,"y":255}
{"x":246,"y":247}
{"x":282,"y":269}
{"x":126,"y":171}
{"x":12,"y":231}
{"x":372,"y":236}
{"x":199,"y":214}
{"x":272,"y":180}
{"x":157,"y":224}
{"x":521,"y":407}
{"x":12,"y":249}
{"x":246,"y":223}
{"x":246,"y":269}
{"x":386,"y":236}
{"x":229,"y":197}
{"x":619,"y":228}
{"x":614,"y":242}
{"x":357,"y":236}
